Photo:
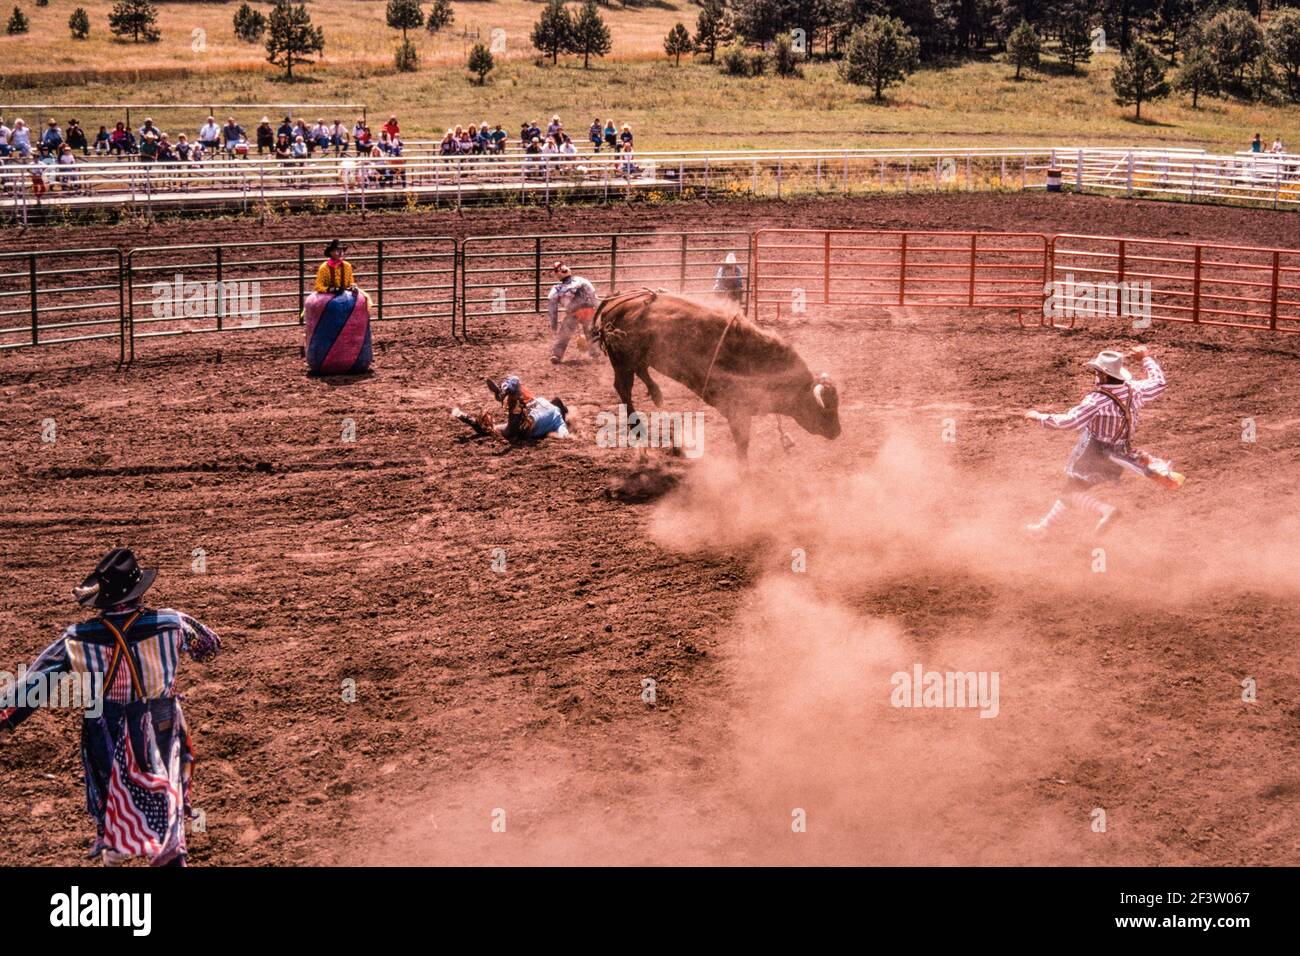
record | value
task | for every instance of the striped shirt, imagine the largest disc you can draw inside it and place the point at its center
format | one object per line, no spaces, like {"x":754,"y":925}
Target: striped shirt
{"x":155,"y":642}
{"x":1102,"y":418}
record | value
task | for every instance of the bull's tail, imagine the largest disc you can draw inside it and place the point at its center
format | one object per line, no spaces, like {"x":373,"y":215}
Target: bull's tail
{"x":606,"y":332}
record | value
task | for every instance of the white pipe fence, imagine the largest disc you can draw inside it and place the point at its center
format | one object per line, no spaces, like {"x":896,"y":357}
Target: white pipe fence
{"x":422,"y":176}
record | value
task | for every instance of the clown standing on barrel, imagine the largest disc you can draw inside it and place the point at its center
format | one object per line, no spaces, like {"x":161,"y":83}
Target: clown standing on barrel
{"x":135,"y":744}
{"x":337,"y":318}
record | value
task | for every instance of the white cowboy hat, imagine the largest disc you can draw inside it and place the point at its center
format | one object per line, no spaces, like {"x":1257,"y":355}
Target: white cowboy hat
{"x":1111,"y":363}
{"x":731,"y":259}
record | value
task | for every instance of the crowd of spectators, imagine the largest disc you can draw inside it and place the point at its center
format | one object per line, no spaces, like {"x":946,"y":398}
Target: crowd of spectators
{"x":52,"y":154}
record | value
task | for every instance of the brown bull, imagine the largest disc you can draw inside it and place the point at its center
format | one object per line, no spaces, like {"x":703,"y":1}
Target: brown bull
{"x":731,"y":363}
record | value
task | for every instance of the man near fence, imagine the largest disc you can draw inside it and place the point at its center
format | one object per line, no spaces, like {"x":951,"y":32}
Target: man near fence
{"x":577,"y":298}
{"x":135,"y":745}
{"x":1107,"y":419}
{"x":730,"y":281}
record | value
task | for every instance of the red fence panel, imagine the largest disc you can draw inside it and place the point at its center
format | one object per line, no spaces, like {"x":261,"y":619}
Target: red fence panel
{"x":799,"y":267}
{"x":1243,"y":287}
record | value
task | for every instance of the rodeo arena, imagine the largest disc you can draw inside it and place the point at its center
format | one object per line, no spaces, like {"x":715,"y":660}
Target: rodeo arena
{"x":491,"y":502}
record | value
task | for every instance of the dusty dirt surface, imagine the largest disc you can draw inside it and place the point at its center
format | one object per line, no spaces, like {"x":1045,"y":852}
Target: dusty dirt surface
{"x":504,"y":717}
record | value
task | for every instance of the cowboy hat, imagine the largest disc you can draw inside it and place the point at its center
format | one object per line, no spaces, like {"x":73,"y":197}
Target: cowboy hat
{"x":1111,"y":363}
{"x":117,"y":579}
{"x":335,"y":246}
{"x":730,"y":260}
{"x":561,"y":268}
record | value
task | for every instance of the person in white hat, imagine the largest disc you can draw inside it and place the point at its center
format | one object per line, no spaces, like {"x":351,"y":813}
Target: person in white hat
{"x":1108,"y":417}
{"x":730,"y":280}
{"x":577,"y":297}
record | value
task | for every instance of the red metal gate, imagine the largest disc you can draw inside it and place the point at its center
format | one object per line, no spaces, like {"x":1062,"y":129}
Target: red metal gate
{"x":1242,"y":287}
{"x":798,"y":267}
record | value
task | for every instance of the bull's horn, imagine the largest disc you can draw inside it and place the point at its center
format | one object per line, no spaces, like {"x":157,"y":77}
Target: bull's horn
{"x":817,"y":394}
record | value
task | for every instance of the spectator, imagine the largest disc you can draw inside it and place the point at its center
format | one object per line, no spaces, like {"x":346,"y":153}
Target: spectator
{"x":555,"y":128}
{"x":566,"y":146}
{"x":102,"y":141}
{"x":67,"y":161}
{"x":120,"y":140}
{"x":611,"y":135}
{"x":391,"y":127}
{"x":1256,"y":144}
{"x":149,"y":137}
{"x":196,"y":153}
{"x":321,"y":135}
{"x":625,"y":137}
{"x":232,"y":135}
{"x":464,"y":145}
{"x":52,"y":138}
{"x":38,"y":173}
{"x":533,"y":156}
{"x":626,"y":166}
{"x":357,"y":129}
{"x":525,"y":134}
{"x":183,"y":148}
{"x":499,"y":138}
{"x":265,"y":136}
{"x":20,"y":139}
{"x":285,"y":129}
{"x":363,"y":141}
{"x":283,"y":150}
{"x":166,"y":154}
{"x":593,"y":134}
{"x":448,"y":145}
{"x":5,"y":131}
{"x":339,"y":138}
{"x":76,"y":137}
{"x":210,"y":135}
{"x":483,"y":141}
{"x":1277,"y":145}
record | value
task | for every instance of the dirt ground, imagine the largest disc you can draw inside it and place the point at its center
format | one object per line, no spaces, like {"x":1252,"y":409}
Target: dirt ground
{"x":504,"y":717}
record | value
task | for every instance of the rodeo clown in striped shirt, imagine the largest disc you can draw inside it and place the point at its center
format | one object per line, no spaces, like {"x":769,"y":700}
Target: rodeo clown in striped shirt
{"x":1108,"y":418}
{"x":136,"y":749}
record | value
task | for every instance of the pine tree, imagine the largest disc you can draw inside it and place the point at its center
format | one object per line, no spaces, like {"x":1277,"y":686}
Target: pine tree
{"x":250,"y":25}
{"x":1199,"y":75}
{"x":17,"y":23}
{"x":553,"y":32}
{"x":291,"y":39}
{"x":481,"y":62}
{"x":590,"y":34}
{"x":79,"y":24}
{"x":1023,"y":47}
{"x":713,"y":27}
{"x":1076,"y":35}
{"x":404,"y":15}
{"x":1139,"y":78}
{"x":136,"y":19}
{"x":784,"y":60}
{"x":678,"y":42}
{"x":880,"y":54}
{"x":440,"y":15}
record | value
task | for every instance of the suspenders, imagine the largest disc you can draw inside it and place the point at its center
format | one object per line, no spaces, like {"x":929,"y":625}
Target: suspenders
{"x":122,"y":652}
{"x":1125,"y":409}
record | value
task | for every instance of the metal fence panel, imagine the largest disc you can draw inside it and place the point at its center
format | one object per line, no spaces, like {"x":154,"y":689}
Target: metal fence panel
{"x":51,"y":296}
{"x":1245,"y":287}
{"x":174,"y":290}
{"x":794,"y":268}
{"x":512,"y":275}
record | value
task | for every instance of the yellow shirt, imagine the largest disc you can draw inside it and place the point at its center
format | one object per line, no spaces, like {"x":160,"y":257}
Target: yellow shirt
{"x":330,"y":279}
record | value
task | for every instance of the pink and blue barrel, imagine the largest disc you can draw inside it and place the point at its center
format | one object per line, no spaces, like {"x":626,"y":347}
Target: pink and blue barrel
{"x":338,"y":333}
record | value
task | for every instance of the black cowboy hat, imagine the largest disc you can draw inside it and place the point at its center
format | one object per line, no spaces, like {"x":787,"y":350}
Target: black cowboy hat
{"x":117,"y":579}
{"x":335,"y":246}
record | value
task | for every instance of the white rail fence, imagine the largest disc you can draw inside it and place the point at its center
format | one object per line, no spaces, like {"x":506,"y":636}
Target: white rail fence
{"x":420,"y":176}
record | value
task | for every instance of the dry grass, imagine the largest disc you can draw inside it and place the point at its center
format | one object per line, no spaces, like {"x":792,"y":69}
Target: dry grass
{"x":693,"y":106}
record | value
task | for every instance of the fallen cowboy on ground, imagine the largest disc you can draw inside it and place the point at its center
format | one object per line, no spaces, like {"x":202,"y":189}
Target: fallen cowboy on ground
{"x":527,"y":417}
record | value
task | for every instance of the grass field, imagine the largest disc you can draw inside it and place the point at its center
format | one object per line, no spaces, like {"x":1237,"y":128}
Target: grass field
{"x":693,"y":106}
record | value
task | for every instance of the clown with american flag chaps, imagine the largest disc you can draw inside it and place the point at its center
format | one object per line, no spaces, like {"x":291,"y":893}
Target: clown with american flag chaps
{"x":135,"y":747}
